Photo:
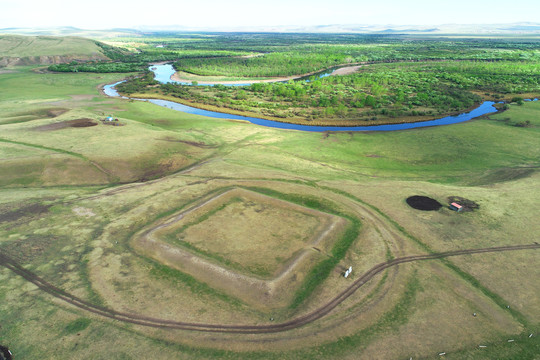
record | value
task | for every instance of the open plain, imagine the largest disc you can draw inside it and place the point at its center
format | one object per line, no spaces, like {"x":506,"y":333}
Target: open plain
{"x":186,"y":237}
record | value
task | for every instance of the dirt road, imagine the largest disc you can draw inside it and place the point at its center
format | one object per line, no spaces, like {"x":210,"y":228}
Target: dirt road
{"x":18,"y":269}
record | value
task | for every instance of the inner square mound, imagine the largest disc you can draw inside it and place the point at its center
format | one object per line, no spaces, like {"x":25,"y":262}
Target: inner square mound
{"x":255,"y":247}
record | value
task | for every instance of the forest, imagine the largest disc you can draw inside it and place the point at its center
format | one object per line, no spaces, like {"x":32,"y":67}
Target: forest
{"x":400,"y":78}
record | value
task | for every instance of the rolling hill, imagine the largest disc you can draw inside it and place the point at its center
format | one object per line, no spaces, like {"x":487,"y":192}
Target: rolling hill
{"x":28,"y":50}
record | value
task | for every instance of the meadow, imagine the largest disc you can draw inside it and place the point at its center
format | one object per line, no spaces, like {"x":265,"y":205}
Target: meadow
{"x":74,"y":200}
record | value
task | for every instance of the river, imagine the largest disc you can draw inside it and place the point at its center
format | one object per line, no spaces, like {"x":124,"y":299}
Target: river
{"x":163,"y":73}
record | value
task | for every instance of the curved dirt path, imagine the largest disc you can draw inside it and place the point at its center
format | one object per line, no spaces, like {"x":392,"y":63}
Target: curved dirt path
{"x":18,"y":269}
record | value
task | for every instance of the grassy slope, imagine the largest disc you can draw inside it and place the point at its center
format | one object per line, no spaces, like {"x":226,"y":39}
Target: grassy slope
{"x":457,"y":153}
{"x":46,"y":87}
{"x":156,"y":149}
{"x":24,"y":46}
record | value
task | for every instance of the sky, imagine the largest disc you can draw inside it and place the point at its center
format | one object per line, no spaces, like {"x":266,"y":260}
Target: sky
{"x":106,"y":14}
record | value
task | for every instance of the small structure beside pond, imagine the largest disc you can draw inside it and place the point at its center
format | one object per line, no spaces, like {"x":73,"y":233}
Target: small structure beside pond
{"x":456,"y":207}
{"x":109,"y":120}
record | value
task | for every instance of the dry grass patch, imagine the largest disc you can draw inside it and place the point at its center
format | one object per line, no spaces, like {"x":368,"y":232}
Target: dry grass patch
{"x":440,"y":319}
{"x":252,"y":246}
{"x":275,"y":230}
{"x":513,"y":276}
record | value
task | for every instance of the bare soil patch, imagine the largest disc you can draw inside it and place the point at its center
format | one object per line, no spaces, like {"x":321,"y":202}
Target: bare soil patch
{"x":203,"y":80}
{"x":82,"y":97}
{"x":80,"y":211}
{"x":157,"y":169}
{"x":423,"y":203}
{"x":25,"y":211}
{"x":347,"y":70}
{"x":52,"y":113}
{"x":77,"y":123}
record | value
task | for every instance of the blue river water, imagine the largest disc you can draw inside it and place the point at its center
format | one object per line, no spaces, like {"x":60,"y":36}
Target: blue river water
{"x":485,"y":108}
{"x":163,"y":74}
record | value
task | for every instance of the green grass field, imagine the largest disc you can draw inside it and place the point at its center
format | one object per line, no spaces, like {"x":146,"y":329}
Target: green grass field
{"x":72,"y":200}
{"x":34,"y":47}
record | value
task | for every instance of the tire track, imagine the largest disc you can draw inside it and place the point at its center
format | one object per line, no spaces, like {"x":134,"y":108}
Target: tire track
{"x":322,"y":311}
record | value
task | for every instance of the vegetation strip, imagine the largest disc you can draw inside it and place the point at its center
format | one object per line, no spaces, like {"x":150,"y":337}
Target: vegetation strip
{"x":12,"y":265}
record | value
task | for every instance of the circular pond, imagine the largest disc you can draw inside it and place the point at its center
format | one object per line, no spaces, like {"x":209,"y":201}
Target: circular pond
{"x":423,"y":203}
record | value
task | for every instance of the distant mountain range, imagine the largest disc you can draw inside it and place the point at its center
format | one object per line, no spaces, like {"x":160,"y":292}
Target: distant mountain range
{"x":447,"y":29}
{"x":515,"y":28}
{"x":71,"y":31}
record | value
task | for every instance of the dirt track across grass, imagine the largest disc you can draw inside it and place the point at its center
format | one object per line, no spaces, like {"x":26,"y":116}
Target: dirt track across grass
{"x":18,"y":269}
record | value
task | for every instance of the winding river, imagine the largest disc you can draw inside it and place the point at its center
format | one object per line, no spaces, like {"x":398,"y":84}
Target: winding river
{"x":163,"y":73}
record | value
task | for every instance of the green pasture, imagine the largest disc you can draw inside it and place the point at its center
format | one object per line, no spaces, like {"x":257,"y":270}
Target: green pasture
{"x":23,"y":46}
{"x":27,"y":88}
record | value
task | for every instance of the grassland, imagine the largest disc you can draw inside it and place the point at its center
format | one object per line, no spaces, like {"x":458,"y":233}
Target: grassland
{"x":73,"y":199}
{"x":22,"y":46}
{"x":27,"y":50}
{"x":265,"y":252}
{"x":221,"y":233}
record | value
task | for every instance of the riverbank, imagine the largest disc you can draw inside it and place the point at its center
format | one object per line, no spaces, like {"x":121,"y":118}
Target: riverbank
{"x":185,"y":77}
{"x":335,"y":70}
{"x":292,"y":120}
{"x":305,"y":125}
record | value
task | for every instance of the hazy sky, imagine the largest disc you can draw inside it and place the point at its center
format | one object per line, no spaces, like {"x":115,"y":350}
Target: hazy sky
{"x":102,"y":14}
